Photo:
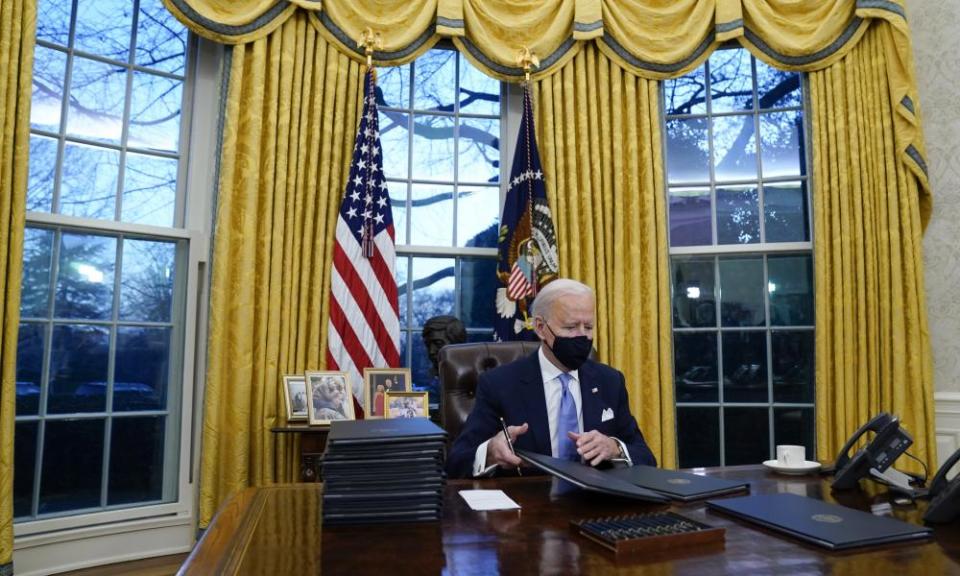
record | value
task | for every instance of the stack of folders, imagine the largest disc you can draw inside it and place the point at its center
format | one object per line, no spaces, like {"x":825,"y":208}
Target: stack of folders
{"x":377,"y":471}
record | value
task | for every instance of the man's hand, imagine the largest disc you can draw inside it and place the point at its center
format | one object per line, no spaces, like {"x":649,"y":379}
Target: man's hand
{"x":594,"y":447}
{"x":499,"y":452}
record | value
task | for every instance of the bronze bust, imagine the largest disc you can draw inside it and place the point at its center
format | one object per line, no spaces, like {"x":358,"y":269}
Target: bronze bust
{"x":440,"y":331}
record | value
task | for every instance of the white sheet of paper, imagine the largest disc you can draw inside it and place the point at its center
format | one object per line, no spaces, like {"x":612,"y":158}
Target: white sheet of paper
{"x":488,"y":500}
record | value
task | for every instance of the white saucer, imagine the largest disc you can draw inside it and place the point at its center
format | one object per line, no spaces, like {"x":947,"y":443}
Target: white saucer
{"x":805,"y":468}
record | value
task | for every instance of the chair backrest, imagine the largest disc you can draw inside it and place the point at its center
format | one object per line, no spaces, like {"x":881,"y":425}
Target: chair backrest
{"x":460,"y":365}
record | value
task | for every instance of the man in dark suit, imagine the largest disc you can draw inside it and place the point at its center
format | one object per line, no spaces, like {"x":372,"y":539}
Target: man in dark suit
{"x":556,"y":401}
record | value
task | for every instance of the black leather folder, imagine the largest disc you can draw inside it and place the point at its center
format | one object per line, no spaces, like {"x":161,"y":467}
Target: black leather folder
{"x":680,"y":486}
{"x":383,"y":431}
{"x":821,"y":523}
{"x":589,"y":478}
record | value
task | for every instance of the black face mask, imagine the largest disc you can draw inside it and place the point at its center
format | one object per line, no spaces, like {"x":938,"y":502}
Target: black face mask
{"x":571,"y":351}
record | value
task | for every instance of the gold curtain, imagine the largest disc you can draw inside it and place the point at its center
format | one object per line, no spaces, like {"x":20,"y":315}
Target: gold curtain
{"x":292,"y":106}
{"x":872,"y":343}
{"x":598,"y":129}
{"x":18,"y":20}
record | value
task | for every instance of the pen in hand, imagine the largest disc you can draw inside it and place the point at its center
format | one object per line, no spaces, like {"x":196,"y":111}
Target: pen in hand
{"x":506,"y":435}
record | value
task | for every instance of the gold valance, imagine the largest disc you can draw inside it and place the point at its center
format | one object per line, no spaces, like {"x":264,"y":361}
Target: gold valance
{"x":649,"y":38}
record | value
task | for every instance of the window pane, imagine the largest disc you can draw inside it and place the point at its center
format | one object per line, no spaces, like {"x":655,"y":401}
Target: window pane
{"x":479,"y":150}
{"x":731,"y":82}
{"x":24,"y":458}
{"x":698,"y":437}
{"x":741,"y":289}
{"x":433,"y":148}
{"x":780,"y":142}
{"x":745,"y":367}
{"x":149,"y":190}
{"x":734,"y":148}
{"x":136,"y":460}
{"x":738,"y":215}
{"x":37,"y":255}
{"x":431,"y":216}
{"x":78,"y":369}
{"x":792,"y":366}
{"x":142,"y":368}
{"x":694,"y":305}
{"x":479,"y":93}
{"x":147,"y":280}
{"x":687,"y":151}
{"x":687,"y":94}
{"x":88,"y":186}
{"x":777,"y":88}
{"x":42,"y":168}
{"x":53,"y":21}
{"x":785,"y":212}
{"x":85,"y":277}
{"x":398,"y":206}
{"x":691,"y":223}
{"x":790,"y":285}
{"x":161,"y":39}
{"x":433,"y":288}
{"x":435,"y":80}
{"x":795,"y":426}
{"x":420,"y":368}
{"x":29,"y":368}
{"x":402,"y":286}
{"x":478,"y":288}
{"x":747,"y":435}
{"x":393,"y":87}
{"x":695,"y":366}
{"x":394,"y":140}
{"x":49,"y":69}
{"x":478,"y":216}
{"x":103,"y":27}
{"x":72,"y":465}
{"x":155,"y":112}
{"x":97,"y":93}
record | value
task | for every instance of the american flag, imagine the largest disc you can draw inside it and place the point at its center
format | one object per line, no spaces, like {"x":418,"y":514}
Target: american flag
{"x":364,"y":329}
{"x":527,"y":243}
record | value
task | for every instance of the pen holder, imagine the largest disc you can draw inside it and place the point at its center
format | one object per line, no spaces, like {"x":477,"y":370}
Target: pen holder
{"x":649,"y":533}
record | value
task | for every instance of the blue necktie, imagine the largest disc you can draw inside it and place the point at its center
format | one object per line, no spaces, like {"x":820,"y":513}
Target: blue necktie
{"x":567,"y":421}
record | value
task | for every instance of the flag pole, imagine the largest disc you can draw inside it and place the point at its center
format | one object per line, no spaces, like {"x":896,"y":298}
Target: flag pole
{"x":528,"y":60}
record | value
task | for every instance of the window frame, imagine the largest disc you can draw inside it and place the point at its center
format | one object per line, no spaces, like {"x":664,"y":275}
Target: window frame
{"x":37,"y":536}
{"x":763,"y":250}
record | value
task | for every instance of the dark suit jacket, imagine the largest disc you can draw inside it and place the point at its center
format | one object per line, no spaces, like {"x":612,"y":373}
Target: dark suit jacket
{"x":515,"y":392}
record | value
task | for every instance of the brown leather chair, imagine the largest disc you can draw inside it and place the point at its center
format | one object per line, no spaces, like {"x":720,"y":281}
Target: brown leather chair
{"x":460,"y":365}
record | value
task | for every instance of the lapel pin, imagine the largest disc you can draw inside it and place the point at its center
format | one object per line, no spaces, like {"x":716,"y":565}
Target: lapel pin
{"x":594,"y":390}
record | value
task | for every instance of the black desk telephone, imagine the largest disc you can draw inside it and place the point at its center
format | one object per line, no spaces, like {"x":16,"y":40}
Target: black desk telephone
{"x":944,"y":494}
{"x":888,"y":443}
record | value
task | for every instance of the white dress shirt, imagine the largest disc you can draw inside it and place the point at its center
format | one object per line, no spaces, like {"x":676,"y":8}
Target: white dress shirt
{"x":553,"y":392}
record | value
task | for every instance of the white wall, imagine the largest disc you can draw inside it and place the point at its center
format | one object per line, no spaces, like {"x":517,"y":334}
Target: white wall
{"x":936,"y":48}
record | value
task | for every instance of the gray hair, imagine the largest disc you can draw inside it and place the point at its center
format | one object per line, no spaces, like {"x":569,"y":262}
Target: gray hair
{"x":555,"y":290}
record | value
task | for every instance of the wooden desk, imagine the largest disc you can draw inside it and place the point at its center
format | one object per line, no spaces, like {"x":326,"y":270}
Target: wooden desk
{"x":313,"y":443}
{"x":277,"y":530}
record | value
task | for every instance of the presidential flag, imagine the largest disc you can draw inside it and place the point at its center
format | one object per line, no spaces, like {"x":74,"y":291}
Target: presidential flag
{"x":527,"y":243}
{"x":364,"y":328}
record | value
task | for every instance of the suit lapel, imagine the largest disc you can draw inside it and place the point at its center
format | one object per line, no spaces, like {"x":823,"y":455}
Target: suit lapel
{"x":531,"y":389}
{"x":592,"y":407}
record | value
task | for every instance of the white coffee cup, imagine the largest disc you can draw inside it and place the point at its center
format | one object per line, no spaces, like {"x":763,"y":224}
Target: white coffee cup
{"x":790,"y":456}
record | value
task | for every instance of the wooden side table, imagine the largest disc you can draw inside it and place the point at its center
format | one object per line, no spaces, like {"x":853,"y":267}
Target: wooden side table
{"x":313,"y":443}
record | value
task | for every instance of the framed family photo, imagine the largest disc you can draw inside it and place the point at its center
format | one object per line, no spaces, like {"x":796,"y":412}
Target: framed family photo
{"x":407,"y":405}
{"x":328,"y":397}
{"x":295,"y":394}
{"x":377,"y":383}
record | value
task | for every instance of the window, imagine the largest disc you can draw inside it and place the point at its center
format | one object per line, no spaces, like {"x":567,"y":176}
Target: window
{"x":99,"y":358}
{"x":440,"y":127}
{"x":741,"y":260}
